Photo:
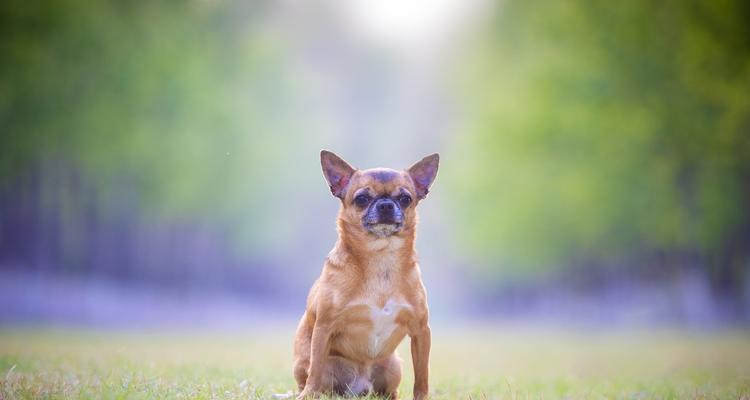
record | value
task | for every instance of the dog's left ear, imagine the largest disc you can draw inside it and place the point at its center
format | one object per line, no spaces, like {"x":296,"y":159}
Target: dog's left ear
{"x":423,"y":173}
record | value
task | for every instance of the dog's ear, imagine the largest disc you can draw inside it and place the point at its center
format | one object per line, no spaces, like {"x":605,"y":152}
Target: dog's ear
{"x":423,"y":173}
{"x":336,"y":171}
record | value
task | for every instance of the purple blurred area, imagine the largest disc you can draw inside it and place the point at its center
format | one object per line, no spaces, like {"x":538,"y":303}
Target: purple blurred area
{"x":124,"y":272}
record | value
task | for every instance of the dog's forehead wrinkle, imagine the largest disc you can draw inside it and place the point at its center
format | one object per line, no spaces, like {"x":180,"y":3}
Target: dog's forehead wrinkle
{"x":383,"y":175}
{"x":399,"y":191}
{"x":362,"y":190}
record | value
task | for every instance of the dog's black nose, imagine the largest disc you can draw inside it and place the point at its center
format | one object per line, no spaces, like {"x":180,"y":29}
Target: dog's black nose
{"x":386,"y":206}
{"x":384,"y":211}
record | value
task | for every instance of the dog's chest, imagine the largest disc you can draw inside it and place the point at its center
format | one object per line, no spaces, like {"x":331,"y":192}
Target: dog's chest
{"x":380,"y":314}
{"x":387,"y":310}
{"x":384,"y":324}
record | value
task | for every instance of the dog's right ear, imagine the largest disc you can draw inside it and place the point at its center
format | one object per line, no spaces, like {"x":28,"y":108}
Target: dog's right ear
{"x":336,"y":171}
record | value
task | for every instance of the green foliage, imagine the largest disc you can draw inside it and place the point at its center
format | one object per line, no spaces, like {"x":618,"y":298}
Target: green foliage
{"x":601,"y":132}
{"x":186,"y":104}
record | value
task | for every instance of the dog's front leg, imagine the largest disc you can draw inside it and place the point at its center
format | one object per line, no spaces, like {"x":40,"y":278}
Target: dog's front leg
{"x":319,"y":348}
{"x":420,"y":354}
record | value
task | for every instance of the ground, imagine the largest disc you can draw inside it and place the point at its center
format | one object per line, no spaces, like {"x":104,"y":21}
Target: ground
{"x":487,"y":363}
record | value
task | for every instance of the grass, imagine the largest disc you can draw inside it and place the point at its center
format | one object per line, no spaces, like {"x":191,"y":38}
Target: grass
{"x":469,"y":364}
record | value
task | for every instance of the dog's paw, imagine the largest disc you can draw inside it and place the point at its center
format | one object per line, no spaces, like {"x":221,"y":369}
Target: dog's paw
{"x":420,"y":395}
{"x":308,"y":394}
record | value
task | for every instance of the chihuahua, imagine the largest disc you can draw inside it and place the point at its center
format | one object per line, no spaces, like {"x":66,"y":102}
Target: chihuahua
{"x":370,"y":294}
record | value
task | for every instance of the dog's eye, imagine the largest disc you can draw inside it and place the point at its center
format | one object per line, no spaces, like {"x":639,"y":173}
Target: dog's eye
{"x":404,"y":200}
{"x":362,"y":200}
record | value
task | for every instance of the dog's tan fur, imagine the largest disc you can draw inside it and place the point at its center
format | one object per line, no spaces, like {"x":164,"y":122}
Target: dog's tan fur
{"x":366,"y":277}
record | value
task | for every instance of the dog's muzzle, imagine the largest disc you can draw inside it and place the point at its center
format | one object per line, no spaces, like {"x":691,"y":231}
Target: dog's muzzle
{"x":384,"y":217}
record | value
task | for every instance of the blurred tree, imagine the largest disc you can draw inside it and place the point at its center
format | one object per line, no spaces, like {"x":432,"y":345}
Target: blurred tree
{"x":608,"y":133}
{"x":131,"y":114}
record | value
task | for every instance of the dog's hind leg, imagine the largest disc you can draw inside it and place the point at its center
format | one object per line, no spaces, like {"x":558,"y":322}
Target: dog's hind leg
{"x":300,"y":374}
{"x":347,"y":378}
{"x":302,"y":351}
{"x":386,"y":376}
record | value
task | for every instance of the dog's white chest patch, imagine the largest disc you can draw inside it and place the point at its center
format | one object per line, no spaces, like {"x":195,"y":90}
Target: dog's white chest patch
{"x":383,"y":324}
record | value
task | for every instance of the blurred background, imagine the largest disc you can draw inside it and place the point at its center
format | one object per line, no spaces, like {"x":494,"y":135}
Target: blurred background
{"x":159,"y":160}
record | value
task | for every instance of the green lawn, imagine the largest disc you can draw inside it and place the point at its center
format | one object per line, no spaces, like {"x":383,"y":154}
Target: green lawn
{"x":469,"y":364}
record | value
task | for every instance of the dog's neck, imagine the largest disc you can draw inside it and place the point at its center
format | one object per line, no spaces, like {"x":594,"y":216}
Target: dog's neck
{"x":364,"y":249}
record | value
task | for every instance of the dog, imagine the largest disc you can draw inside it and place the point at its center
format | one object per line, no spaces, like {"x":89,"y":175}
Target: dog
{"x":369,"y":295}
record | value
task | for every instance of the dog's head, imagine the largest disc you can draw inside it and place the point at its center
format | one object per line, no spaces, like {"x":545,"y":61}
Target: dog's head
{"x":379,"y":201}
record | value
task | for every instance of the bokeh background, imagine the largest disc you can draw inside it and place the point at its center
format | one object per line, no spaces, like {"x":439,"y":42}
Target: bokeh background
{"x":159,"y":160}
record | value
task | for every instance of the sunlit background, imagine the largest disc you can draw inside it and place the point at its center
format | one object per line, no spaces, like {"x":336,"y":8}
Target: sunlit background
{"x":159,"y":160}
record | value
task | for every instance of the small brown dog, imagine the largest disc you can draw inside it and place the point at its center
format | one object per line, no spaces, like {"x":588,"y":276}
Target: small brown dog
{"x":370,"y":293}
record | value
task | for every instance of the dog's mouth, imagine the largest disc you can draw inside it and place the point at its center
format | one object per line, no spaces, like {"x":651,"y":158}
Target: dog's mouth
{"x":383,"y":230}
